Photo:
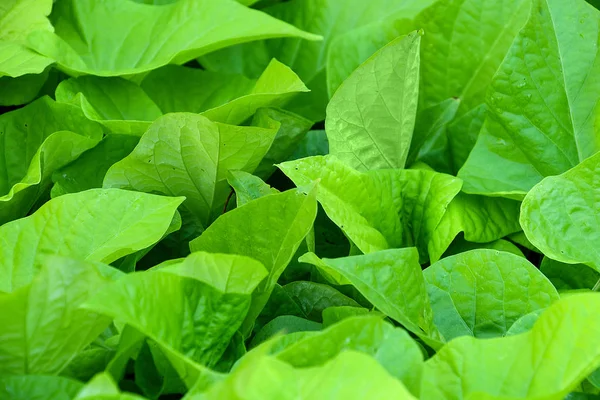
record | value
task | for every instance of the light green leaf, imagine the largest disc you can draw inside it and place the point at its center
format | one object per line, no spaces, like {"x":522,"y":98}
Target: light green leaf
{"x":102,"y":387}
{"x":95,"y":225}
{"x":525,"y":323}
{"x":17,"y":19}
{"x":545,"y":363}
{"x":421,"y":200}
{"x":88,"y":171}
{"x":270,"y":230}
{"x":553,"y":120}
{"x":193,"y":308}
{"x":561,"y":215}
{"x":41,"y":326}
{"x":185,"y":154}
{"x":17,"y":60}
{"x":145,"y":37}
{"x":483,"y":292}
{"x":351,"y":375}
{"x":248,"y":187}
{"x":119,"y":104}
{"x":35,"y":141}
{"x":482,"y":219}
{"x":392,"y":347}
{"x":392,"y":281}
{"x":348,"y":197}
{"x":220,"y":97}
{"x":38,"y":387}
{"x":371,"y":116}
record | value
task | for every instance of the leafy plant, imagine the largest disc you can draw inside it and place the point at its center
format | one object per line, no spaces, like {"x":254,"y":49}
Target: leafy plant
{"x":305,"y":199}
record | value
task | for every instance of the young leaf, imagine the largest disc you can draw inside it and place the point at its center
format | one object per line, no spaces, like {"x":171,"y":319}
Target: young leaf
{"x":371,"y":116}
{"x":482,"y":292}
{"x":482,"y":219}
{"x":560,"y":215}
{"x":95,"y":225}
{"x":42,"y":327}
{"x":360,"y":206}
{"x":545,"y":363}
{"x":536,"y":130}
{"x":422,"y":199}
{"x":270,"y":230}
{"x":248,"y":187}
{"x":188,"y":155}
{"x":35,"y":141}
{"x":193,"y":308}
{"x":392,"y":281}
{"x":144,"y":37}
{"x":119,"y":104}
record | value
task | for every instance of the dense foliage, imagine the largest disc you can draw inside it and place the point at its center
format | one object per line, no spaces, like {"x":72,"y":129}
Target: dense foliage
{"x":305,"y":199}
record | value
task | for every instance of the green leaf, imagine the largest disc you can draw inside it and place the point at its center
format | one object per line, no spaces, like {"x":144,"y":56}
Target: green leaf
{"x":185,"y":154}
{"x":18,"y":18}
{"x":292,"y":128}
{"x":348,"y":196}
{"x":35,"y":141}
{"x":145,"y":37}
{"x":42,"y":327}
{"x":89,"y":170}
{"x":482,"y":219}
{"x":566,"y":277}
{"x":312,"y":298}
{"x":459,"y":245}
{"x":329,"y":18}
{"x":120,"y":105}
{"x":248,"y":187}
{"x":465,"y":42}
{"x":350,"y":375}
{"x":371,"y":116}
{"x":38,"y":387}
{"x":392,"y":281}
{"x":545,"y":363}
{"x":313,"y":144}
{"x":220,"y":97}
{"x":193,"y":308}
{"x":21,"y":90}
{"x":392,"y":347}
{"x":95,"y":225}
{"x":270,"y":230}
{"x":560,"y":215}
{"x":430,"y":139}
{"x":284,"y":324}
{"x":483,"y":292}
{"x":553,"y":120}
{"x":422,"y":199}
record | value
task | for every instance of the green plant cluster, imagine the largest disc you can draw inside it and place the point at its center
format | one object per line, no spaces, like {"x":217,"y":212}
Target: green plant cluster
{"x":304,"y":199}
